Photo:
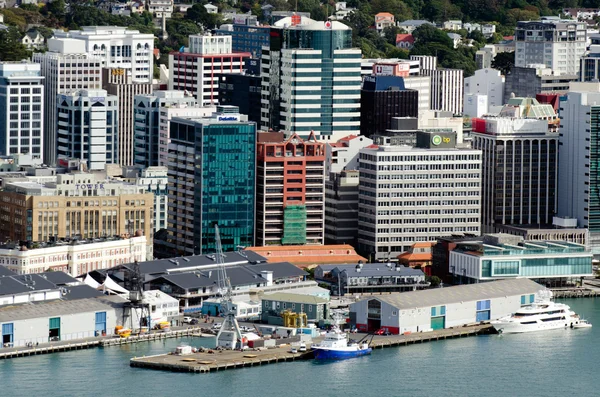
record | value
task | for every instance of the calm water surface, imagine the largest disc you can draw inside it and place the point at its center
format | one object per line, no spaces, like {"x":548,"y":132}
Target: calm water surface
{"x":554,"y":363}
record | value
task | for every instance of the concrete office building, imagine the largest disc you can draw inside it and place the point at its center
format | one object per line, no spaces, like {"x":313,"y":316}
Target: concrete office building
{"x":488,"y":82}
{"x":578,"y":176}
{"x":243,"y":90}
{"x":246,"y":35}
{"x":219,"y":186}
{"x":556,"y":43}
{"x":87,"y":127}
{"x":151,"y":127}
{"x":520,"y":160}
{"x":366,"y":65}
{"x":422,"y":84}
{"x":79,"y":205}
{"x":66,"y":67}
{"x":21,"y":109}
{"x":156,"y":181}
{"x":447,"y":87}
{"x":311,"y":79}
{"x":426,"y":63}
{"x":590,"y":61}
{"x":119,"y":82}
{"x":194,"y":69}
{"x":413,"y":194}
{"x":118,"y":47}
{"x":536,"y":79}
{"x":290,"y":194}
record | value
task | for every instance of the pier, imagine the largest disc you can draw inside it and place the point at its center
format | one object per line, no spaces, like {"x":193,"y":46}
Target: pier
{"x":574,"y":293}
{"x":100,"y":341}
{"x":204,"y":362}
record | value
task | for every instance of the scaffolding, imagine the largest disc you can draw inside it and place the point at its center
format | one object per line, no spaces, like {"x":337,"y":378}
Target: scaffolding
{"x":294,"y":225}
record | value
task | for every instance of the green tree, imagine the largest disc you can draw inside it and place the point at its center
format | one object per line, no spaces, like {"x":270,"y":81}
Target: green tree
{"x":435,"y":281}
{"x":200,"y":15}
{"x":390,"y":34}
{"x":504,"y":62}
{"x":57,"y":8}
{"x":11,"y":48}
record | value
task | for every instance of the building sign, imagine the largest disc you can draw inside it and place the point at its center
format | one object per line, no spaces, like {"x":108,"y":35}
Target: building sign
{"x":401,"y":69}
{"x":89,"y":186}
{"x":97,"y":99}
{"x":437,"y":140}
{"x":328,"y":25}
{"x":383,"y":70}
{"x":228,"y":118}
{"x":239,"y":20}
{"x":118,"y":72}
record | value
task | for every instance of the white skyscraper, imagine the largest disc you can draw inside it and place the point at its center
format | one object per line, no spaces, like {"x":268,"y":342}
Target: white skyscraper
{"x":558,"y":44}
{"x":88,"y":127}
{"x":118,"y":47}
{"x":65,"y":66}
{"x":21,"y":108}
{"x":447,"y":87}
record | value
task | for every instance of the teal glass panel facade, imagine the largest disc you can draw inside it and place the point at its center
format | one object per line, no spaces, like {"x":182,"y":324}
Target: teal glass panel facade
{"x":542,"y":267}
{"x":505,"y":268}
{"x":225,"y":184}
{"x":486,"y":268}
{"x":594,"y":186}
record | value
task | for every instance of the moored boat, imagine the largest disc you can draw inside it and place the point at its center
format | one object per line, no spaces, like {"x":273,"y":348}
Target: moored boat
{"x":335,"y":346}
{"x":582,"y":324}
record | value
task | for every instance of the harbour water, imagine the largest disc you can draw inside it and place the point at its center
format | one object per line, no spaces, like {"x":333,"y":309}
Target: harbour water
{"x":552,"y":363}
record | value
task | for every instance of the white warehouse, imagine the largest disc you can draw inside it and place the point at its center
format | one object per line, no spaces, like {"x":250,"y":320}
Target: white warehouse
{"x":422,"y":311}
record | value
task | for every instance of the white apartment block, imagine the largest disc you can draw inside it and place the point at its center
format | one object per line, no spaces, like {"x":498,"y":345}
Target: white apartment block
{"x":343,"y":154}
{"x":194,"y":69}
{"x":21,"y":109}
{"x":65,"y":66}
{"x":118,"y":47}
{"x":87,"y":127}
{"x":74,"y":257}
{"x":423,"y":85}
{"x":558,"y":44}
{"x":158,"y":8}
{"x":447,"y":90}
{"x":155,"y":180}
{"x":489,"y":82}
{"x":409,"y":194}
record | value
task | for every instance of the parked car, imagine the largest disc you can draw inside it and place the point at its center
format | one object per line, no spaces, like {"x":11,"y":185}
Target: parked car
{"x":187,"y":320}
{"x":216,"y":326}
{"x":244,"y":328}
{"x":383,"y":331}
{"x":194,"y":321}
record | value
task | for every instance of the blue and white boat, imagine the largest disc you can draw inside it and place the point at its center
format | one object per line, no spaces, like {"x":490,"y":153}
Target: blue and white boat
{"x":335,"y":346}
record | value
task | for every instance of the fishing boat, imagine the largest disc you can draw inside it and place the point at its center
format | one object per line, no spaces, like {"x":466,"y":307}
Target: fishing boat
{"x":335,"y":346}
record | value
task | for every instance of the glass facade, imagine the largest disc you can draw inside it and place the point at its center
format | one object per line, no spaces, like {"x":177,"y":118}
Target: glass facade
{"x":246,"y":38}
{"x":594,"y":186}
{"x":537,"y":267}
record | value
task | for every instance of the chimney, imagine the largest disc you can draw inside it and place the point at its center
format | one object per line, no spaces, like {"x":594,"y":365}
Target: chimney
{"x":267,"y":275}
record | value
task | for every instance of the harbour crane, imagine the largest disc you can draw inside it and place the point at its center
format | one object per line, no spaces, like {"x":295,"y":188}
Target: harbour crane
{"x":229,"y":335}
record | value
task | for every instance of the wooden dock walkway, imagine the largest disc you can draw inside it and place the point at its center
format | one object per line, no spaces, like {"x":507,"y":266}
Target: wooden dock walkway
{"x":574,"y":293}
{"x":204,"y":362}
{"x":100,"y":341}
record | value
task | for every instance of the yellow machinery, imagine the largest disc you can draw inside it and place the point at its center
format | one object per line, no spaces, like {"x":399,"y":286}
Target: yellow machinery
{"x":294,"y":320}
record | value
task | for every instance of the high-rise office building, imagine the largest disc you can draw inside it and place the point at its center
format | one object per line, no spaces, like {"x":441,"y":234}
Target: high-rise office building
{"x":212,"y":168}
{"x":156,"y":180}
{"x":412,"y":194}
{"x":243,"y":90}
{"x":119,"y":82}
{"x":194,"y":69}
{"x":384,"y":97}
{"x":579,"y":156}
{"x":87,"y":127}
{"x":66,"y":67}
{"x":447,"y":90}
{"x":21,"y":108}
{"x":519,"y":171}
{"x":311,"y":79}
{"x":557,"y":44}
{"x":590,"y":61}
{"x":151,"y":125}
{"x":246,"y":35}
{"x":118,"y":47}
{"x":290,"y":190}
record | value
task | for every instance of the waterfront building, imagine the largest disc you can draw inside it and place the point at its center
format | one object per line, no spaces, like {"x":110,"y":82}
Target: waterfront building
{"x":87,"y":127}
{"x":194,"y":69}
{"x":66,"y":66}
{"x":78,"y":205}
{"x":488,"y":82}
{"x":21,"y":109}
{"x":315,"y":308}
{"x":18,"y":289}
{"x":290,"y":190}
{"x":447,"y":90}
{"x":156,"y":181}
{"x":117,"y":47}
{"x":519,"y":171}
{"x":311,"y":79}
{"x":556,"y":43}
{"x":341,"y":189}
{"x":506,"y":256}
{"x":305,"y":256}
{"x":242,"y":90}
{"x":151,"y":124}
{"x":578,"y":177}
{"x":74,"y":257}
{"x":246,"y":35}
{"x":562,"y":229}
{"x":536,"y":79}
{"x":440,"y":308}
{"x":219,"y":186}
{"x":384,"y":97}
{"x":119,"y":82}
{"x":370,"y":278}
{"x":417,"y":194}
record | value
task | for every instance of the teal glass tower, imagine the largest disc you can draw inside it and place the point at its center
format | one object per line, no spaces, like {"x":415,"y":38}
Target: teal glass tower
{"x":212,"y":168}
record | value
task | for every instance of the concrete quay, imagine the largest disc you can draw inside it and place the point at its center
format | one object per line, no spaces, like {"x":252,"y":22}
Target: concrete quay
{"x":204,"y":362}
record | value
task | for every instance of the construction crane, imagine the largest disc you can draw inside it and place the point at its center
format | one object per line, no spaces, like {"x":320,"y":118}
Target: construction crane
{"x":229,"y":335}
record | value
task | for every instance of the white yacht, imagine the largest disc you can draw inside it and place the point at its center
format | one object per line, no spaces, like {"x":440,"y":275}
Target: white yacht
{"x":541,"y":315}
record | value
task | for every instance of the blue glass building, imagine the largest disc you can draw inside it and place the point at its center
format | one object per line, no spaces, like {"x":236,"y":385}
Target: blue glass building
{"x":247,"y":38}
{"x":212,"y":168}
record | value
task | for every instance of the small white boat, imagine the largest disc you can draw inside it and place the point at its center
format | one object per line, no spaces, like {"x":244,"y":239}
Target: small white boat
{"x":582,"y":324}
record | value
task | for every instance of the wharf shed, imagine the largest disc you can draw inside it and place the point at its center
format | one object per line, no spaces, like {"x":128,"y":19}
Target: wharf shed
{"x":439,"y":308}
